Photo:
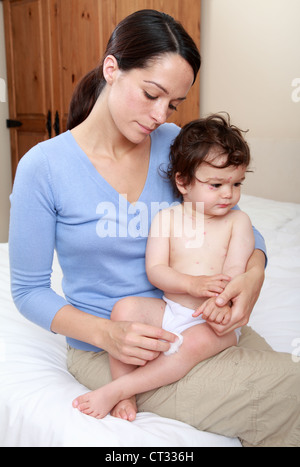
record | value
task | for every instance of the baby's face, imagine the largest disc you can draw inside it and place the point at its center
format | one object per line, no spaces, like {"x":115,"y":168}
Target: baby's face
{"x":218,"y":188}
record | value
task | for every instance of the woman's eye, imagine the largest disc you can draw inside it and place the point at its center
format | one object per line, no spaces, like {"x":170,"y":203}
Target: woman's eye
{"x":152,"y":98}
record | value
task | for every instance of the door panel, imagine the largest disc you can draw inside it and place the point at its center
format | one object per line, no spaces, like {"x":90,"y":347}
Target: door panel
{"x":28,"y":73}
{"x":80,"y":30}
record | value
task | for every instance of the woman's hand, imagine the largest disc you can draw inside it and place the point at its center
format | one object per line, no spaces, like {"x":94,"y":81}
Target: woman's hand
{"x":133,"y":343}
{"x":243,"y":291}
{"x":136,"y":343}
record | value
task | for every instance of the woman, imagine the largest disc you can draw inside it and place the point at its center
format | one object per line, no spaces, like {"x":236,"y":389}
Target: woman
{"x":91,"y":193}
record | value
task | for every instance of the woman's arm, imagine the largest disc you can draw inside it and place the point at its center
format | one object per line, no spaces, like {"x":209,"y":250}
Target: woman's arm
{"x":132,"y":343}
{"x":32,"y":239}
{"x":31,"y":246}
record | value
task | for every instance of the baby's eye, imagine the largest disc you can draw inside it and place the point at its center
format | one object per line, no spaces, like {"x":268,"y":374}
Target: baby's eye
{"x":216,"y":185}
{"x":238,"y":184}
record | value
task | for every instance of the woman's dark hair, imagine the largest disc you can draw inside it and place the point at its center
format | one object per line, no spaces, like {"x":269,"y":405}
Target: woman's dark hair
{"x":142,"y":36}
{"x":193,"y":144}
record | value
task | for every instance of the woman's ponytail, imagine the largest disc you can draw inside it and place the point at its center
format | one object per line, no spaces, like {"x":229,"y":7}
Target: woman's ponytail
{"x":84,"y":97}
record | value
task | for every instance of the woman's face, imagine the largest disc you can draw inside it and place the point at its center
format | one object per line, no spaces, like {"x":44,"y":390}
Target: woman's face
{"x":140,"y":100}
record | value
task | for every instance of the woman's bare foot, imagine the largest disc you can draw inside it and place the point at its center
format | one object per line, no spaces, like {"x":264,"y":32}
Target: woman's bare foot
{"x":126,"y":409}
{"x":97,"y":403}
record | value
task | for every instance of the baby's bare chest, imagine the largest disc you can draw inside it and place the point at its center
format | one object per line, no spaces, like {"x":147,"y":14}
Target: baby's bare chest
{"x":203,"y":250}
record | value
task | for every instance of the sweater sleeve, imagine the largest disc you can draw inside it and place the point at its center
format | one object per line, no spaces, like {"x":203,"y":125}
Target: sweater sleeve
{"x":32,"y":240}
{"x":260,"y":242}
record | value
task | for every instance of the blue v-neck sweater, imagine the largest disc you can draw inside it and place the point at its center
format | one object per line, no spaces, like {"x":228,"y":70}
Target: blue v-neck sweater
{"x":61,"y":202}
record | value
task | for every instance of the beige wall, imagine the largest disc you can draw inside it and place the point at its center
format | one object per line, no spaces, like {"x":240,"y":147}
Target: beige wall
{"x":5,"y":170}
{"x":251,"y":59}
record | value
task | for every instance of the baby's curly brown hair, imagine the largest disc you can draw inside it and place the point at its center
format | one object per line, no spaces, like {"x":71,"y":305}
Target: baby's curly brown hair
{"x":193,"y":144}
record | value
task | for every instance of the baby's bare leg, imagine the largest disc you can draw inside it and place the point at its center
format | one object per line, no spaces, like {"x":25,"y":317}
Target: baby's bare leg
{"x":148,"y":311}
{"x":199,"y":343}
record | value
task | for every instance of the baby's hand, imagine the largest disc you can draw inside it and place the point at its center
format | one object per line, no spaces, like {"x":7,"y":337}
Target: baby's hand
{"x":207,"y":286}
{"x":213,"y":313}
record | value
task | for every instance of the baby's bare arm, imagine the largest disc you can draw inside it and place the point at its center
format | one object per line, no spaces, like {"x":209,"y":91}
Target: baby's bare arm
{"x":241,"y":245}
{"x":240,"y":248}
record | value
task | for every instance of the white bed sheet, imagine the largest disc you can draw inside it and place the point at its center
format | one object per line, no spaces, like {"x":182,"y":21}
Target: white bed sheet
{"x":36,"y":389}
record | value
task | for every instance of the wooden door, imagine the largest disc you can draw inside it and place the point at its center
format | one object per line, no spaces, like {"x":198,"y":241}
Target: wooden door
{"x":188,"y":13}
{"x":80,"y":30}
{"x":51,"y":44}
{"x":28,"y":73}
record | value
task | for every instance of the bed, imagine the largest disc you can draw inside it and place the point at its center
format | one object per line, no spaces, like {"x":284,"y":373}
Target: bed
{"x":36,"y":389}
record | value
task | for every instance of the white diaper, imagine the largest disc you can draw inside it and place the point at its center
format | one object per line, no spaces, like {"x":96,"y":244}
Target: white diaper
{"x":177,"y":318}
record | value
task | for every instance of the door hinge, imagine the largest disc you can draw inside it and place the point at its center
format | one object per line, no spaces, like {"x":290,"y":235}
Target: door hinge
{"x":13,"y":123}
{"x":48,"y":124}
{"x":56,"y":125}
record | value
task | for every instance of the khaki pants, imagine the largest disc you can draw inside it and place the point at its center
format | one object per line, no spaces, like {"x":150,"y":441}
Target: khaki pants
{"x":247,"y":391}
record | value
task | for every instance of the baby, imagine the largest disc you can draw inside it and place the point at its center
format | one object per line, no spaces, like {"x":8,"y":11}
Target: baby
{"x":194,"y":249}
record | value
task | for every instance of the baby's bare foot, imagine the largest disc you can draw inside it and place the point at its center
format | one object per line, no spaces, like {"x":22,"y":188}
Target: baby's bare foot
{"x":125,"y":409}
{"x":96,"y":403}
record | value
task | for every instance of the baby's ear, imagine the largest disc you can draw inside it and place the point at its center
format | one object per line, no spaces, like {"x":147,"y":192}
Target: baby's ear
{"x":181,"y":183}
